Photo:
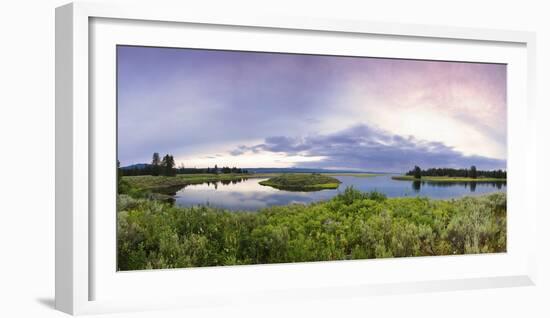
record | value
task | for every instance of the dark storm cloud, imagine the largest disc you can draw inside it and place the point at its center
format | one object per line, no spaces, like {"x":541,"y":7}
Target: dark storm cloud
{"x":367,"y":148}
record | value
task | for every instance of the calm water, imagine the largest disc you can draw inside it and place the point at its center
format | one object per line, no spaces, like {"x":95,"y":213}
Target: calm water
{"x":249,"y":195}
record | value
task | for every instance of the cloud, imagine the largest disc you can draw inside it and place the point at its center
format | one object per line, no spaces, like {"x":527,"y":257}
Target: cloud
{"x":460,"y":104}
{"x":194,"y":103}
{"x":363,"y":147}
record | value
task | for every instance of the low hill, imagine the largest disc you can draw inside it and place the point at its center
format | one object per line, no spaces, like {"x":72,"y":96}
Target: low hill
{"x":136,"y":166}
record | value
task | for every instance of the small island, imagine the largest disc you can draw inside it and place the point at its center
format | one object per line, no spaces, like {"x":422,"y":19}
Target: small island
{"x":302,"y":182}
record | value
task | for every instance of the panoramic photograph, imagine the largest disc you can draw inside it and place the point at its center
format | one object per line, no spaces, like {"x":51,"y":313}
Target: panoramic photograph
{"x":242,"y":158}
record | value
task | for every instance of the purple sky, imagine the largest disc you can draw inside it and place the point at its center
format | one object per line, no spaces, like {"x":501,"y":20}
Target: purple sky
{"x":252,"y":109}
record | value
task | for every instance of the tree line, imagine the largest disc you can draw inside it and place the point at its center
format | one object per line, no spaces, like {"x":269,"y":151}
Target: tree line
{"x":167,"y":167}
{"x":417,"y":172}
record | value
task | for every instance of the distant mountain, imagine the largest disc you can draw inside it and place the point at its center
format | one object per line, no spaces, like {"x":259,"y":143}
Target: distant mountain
{"x":136,"y":166}
{"x":303,"y":170}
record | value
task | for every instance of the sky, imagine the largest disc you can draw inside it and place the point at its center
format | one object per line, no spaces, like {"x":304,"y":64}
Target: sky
{"x":257,"y":109}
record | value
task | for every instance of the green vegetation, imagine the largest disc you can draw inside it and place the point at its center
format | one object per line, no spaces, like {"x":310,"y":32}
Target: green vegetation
{"x":163,"y":167}
{"x":448,"y":179}
{"x":153,"y":233}
{"x":162,"y":187}
{"x":167,"y":167}
{"x":416,"y":172}
{"x":471,"y":173}
{"x":302,"y":182}
{"x":352,"y":225}
{"x":139,"y":185}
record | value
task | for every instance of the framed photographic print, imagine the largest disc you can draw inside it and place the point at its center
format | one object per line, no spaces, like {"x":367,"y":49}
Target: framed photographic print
{"x":203,"y":158}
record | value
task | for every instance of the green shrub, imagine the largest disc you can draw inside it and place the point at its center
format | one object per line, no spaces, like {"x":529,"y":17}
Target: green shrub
{"x":352,"y":225}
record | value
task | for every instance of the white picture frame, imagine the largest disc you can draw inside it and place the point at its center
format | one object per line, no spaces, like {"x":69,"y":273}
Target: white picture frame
{"x":80,"y":171}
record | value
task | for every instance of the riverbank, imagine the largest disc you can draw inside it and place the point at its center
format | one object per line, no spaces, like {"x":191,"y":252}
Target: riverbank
{"x":243,"y":191}
{"x":447,"y":179}
{"x":161,"y":183}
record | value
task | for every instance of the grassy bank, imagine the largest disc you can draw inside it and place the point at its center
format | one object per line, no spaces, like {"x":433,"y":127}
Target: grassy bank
{"x":352,"y":225}
{"x":157,"y":183}
{"x":161,"y":183}
{"x":302,"y":182}
{"x":448,"y":179}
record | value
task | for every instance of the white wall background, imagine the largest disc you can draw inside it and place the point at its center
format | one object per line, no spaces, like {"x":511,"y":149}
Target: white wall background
{"x":27,"y":158}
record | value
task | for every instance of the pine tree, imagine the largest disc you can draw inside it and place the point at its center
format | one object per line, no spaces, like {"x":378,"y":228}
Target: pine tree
{"x":473,"y":172}
{"x":155,"y":164}
{"x":167,"y":165}
{"x":417,"y":172}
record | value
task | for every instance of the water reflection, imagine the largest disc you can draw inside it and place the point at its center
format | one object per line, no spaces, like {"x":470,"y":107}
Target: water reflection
{"x":173,"y":190}
{"x":471,"y":186}
{"x":416,"y":186}
{"x":247,"y":194}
